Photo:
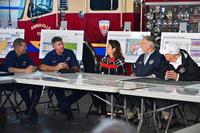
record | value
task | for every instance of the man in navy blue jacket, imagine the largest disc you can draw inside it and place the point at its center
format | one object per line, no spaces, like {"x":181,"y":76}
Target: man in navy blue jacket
{"x":149,"y":64}
{"x":58,"y":59}
{"x":18,"y":61}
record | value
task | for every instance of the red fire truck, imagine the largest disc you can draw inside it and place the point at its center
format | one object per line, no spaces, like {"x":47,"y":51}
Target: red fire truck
{"x":87,"y":15}
{"x":84,"y":15}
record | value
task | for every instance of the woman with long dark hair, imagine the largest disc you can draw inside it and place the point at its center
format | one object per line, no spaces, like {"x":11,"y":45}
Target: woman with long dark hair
{"x":113,"y":63}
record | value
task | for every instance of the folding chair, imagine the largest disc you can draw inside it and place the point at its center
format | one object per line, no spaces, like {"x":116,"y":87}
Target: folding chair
{"x":118,"y":105}
{"x":50,"y":103}
{"x":9,"y":100}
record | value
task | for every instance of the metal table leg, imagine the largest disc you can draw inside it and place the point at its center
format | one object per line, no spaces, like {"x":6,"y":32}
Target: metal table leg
{"x":182,"y":113}
{"x":154,"y":117}
{"x":125,"y":110}
{"x":111,"y":106}
{"x":169,"y":121}
{"x":141,"y":115}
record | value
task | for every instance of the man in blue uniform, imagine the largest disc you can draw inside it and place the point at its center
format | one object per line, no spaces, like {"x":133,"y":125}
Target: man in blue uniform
{"x":17,"y":61}
{"x":58,"y":59}
{"x":151,"y":61}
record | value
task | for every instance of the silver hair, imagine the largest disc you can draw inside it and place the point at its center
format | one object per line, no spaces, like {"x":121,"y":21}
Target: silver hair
{"x":151,"y":39}
{"x":113,"y":126}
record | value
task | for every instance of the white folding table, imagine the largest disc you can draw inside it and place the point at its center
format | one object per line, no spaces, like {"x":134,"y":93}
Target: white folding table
{"x":178,"y":92}
{"x":76,"y":81}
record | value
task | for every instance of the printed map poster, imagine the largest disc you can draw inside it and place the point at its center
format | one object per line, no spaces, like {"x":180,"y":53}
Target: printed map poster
{"x":188,"y":41}
{"x":128,"y":40}
{"x":72,"y":39}
{"x":7,"y":36}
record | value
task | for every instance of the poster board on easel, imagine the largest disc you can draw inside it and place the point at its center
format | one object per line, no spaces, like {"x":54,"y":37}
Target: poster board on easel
{"x":72,"y":39}
{"x":187,"y":41}
{"x":127,"y":39}
{"x":7,"y":36}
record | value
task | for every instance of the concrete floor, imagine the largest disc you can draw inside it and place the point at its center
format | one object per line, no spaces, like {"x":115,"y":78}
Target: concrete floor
{"x":57,"y":123}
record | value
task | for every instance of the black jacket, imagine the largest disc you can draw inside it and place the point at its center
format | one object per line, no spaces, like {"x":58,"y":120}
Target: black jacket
{"x":188,"y":70}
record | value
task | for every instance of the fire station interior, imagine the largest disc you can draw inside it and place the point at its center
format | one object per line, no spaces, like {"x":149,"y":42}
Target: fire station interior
{"x":60,"y":71}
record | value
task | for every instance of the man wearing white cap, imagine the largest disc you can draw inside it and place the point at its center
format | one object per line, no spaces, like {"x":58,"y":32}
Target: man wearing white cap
{"x":181,"y":66}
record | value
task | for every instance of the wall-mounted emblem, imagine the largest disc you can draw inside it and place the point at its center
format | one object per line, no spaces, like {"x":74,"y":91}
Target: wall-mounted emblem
{"x":104,"y":26}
